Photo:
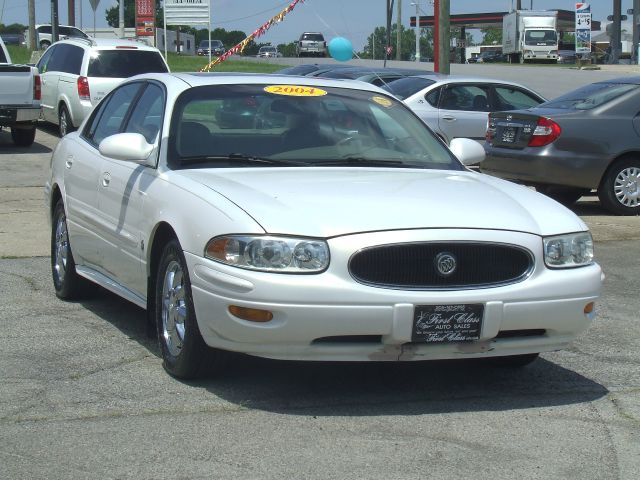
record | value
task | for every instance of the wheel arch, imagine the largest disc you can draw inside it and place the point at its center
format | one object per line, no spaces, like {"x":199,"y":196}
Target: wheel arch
{"x":56,"y":195}
{"x":613,"y":161}
{"x":162,"y":233}
{"x":62,"y":101}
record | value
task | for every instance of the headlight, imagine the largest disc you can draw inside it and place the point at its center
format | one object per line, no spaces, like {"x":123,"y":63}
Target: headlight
{"x":571,"y":250}
{"x":270,"y":254}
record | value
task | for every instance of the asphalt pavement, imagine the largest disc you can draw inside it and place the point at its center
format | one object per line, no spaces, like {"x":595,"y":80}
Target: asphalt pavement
{"x":83,"y":394}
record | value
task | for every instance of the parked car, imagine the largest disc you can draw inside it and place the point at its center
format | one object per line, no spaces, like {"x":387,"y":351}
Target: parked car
{"x":491,"y":56}
{"x":268,"y":51}
{"x":12,"y":38}
{"x":458,"y":106}
{"x":375,"y":76}
{"x":311,"y":44}
{"x":77,"y":74}
{"x":566,"y":56}
{"x":587,"y":139}
{"x":20,"y":91}
{"x":348,"y":232}
{"x":216,"y":47}
{"x":44,"y":33}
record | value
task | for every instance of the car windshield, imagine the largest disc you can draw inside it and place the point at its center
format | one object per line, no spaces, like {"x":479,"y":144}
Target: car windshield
{"x":590,"y":96}
{"x":125,"y":63}
{"x":540,"y":37}
{"x":405,"y":87}
{"x":297,"y":125}
{"x":214,"y":43}
{"x":267,"y":49}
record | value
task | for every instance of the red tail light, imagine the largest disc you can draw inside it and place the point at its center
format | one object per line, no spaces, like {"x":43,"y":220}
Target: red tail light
{"x":546,"y":132}
{"x":83,"y":88}
{"x":37,"y":88}
{"x":491,"y":130}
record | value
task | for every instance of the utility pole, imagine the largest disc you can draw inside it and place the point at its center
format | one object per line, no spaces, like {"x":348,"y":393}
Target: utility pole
{"x":636,"y":31}
{"x":71,"y":12}
{"x":441,"y":38}
{"x":615,"y":44}
{"x":418,"y":31}
{"x":399,"y":32}
{"x":54,"y":21}
{"x":388,"y":40}
{"x":33,"y":42}
{"x":121,"y":18}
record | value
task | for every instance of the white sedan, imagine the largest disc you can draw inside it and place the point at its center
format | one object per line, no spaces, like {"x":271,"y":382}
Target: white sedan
{"x":309,"y":219}
{"x":456,"y":106}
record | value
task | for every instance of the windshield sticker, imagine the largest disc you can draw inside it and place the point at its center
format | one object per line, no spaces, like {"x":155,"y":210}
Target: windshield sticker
{"x":295,"y":90}
{"x":385,"y":102}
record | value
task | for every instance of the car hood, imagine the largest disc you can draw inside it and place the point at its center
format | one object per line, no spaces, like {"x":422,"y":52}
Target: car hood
{"x":327,"y":202}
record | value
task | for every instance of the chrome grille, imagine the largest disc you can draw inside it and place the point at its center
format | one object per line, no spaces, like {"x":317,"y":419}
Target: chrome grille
{"x":414,"y":266}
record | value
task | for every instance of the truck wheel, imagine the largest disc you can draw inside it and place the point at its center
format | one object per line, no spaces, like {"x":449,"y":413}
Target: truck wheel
{"x":44,"y":45}
{"x":619,"y":191}
{"x":23,"y":137}
{"x":64,"y":121}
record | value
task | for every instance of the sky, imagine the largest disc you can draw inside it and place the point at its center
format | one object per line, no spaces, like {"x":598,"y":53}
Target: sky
{"x":353,"y":19}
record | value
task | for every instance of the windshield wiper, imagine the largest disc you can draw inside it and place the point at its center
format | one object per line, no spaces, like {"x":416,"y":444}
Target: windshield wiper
{"x":234,"y":158}
{"x":361,"y":161}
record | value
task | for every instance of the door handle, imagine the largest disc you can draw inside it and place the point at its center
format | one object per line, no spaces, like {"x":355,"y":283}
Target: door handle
{"x":106,"y":179}
{"x":69,"y":163}
{"x":449,"y":118}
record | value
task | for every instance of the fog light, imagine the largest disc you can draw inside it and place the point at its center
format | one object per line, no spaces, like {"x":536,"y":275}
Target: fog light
{"x":251,"y":314}
{"x":589,"y":308}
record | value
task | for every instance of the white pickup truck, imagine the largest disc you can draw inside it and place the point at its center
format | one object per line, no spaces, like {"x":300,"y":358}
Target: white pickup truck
{"x":20,"y":93}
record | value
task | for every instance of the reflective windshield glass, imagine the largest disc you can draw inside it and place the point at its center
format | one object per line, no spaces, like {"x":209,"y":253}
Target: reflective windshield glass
{"x":540,"y":37}
{"x":405,"y":87}
{"x":248,"y":125}
{"x":317,"y":37}
{"x":590,"y":96}
{"x":124,"y":63}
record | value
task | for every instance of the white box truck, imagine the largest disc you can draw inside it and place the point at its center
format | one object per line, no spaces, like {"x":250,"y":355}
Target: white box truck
{"x":530,"y":36}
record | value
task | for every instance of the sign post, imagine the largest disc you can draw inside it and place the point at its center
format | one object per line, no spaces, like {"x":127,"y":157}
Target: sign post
{"x":583,"y":29}
{"x":94,"y":6}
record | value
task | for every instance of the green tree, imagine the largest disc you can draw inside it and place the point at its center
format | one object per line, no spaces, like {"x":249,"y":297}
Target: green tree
{"x":287,"y":49}
{"x":377,"y":41}
{"x":13,"y":28}
{"x":491,"y":36}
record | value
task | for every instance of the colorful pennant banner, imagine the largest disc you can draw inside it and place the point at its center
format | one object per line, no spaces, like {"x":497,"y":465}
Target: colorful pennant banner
{"x":239,"y":48}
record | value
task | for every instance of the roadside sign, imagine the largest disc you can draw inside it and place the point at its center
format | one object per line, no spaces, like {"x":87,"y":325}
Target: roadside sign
{"x":583,"y":28}
{"x":94,"y":4}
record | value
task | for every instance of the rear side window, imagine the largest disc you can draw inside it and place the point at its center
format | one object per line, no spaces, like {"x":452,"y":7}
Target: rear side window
{"x":44,"y":29}
{"x":469,"y":98}
{"x":515,"y":99}
{"x":405,"y":87}
{"x":70,"y":59}
{"x":125,"y":63}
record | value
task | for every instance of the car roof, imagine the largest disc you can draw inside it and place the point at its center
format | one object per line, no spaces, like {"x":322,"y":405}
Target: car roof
{"x":443,"y":78}
{"x":107,"y":43}
{"x":634,"y":80}
{"x":357,"y":72}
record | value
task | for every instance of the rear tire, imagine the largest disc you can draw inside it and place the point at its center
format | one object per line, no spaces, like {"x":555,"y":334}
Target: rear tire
{"x":619,"y":191}
{"x":184,"y":353}
{"x":64,"y":121}
{"x":44,"y":45}
{"x":23,"y":137}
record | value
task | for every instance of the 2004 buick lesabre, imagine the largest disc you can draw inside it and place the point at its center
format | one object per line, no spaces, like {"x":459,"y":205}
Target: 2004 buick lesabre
{"x":309,"y":219}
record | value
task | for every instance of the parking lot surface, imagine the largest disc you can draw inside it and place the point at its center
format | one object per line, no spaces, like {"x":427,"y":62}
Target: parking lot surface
{"x":83,"y":393}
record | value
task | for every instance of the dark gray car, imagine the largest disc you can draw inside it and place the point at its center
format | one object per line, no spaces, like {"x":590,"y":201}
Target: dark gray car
{"x":587,"y":139}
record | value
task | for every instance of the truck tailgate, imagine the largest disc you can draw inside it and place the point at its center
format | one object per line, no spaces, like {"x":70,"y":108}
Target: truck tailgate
{"x":16,"y":85}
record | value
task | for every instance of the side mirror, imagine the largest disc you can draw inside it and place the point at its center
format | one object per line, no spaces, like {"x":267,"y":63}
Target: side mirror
{"x":468,"y":151}
{"x":131,"y":147}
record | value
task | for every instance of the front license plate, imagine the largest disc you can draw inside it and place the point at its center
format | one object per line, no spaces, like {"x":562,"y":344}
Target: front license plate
{"x":509,"y":135}
{"x":447,"y":323}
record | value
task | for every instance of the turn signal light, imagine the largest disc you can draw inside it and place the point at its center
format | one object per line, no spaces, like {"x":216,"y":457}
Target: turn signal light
{"x":251,"y":314}
{"x":589,"y":308}
{"x":546,"y":132}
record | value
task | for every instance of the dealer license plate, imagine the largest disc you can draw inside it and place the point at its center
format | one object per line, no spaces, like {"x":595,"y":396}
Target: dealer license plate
{"x":447,"y":323}
{"x":509,"y":135}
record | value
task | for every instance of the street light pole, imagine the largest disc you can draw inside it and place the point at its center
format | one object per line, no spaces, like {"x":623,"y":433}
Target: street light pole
{"x":417,"y":31}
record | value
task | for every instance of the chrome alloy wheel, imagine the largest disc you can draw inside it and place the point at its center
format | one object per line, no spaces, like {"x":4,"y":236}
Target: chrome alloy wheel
{"x":627,"y":187}
{"x":61,"y":249}
{"x":174,"y":308}
{"x":63,"y":120}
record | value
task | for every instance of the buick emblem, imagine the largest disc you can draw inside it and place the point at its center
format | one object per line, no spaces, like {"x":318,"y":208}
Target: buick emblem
{"x":445,"y":263}
{"x":509,"y":118}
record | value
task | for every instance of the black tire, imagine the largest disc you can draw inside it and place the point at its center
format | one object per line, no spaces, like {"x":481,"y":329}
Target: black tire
{"x":23,"y":137}
{"x":513,"y":361}
{"x":44,"y":45}
{"x":184,"y":353}
{"x":619,"y":191}
{"x":64,"y":121}
{"x":67,"y":283}
{"x":564,"y":195}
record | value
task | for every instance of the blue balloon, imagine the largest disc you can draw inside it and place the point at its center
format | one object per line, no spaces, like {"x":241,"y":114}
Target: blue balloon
{"x":340,"y":49}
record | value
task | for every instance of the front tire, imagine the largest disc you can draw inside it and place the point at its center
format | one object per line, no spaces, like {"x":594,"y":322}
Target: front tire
{"x":64,"y":121}
{"x":67,"y":283}
{"x":619,"y":191}
{"x":184,"y":353}
{"x":23,"y":137}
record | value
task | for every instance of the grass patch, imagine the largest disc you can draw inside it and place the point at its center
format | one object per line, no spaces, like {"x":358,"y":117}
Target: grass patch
{"x":19,"y":54}
{"x":187,"y":63}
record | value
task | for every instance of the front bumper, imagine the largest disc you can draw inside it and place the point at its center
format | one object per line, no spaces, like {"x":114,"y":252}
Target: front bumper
{"x":315,"y":316}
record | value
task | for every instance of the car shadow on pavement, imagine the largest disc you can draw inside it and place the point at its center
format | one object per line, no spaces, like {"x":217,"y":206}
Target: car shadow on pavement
{"x":7,"y":146}
{"x":367,"y":388}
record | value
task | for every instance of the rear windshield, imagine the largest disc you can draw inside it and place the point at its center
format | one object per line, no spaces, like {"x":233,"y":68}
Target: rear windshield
{"x":405,"y":87}
{"x":590,"y":96}
{"x":312,"y":36}
{"x":125,"y":63}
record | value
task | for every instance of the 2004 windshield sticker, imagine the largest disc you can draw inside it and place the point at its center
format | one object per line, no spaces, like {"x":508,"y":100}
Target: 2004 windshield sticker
{"x":295,"y":90}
